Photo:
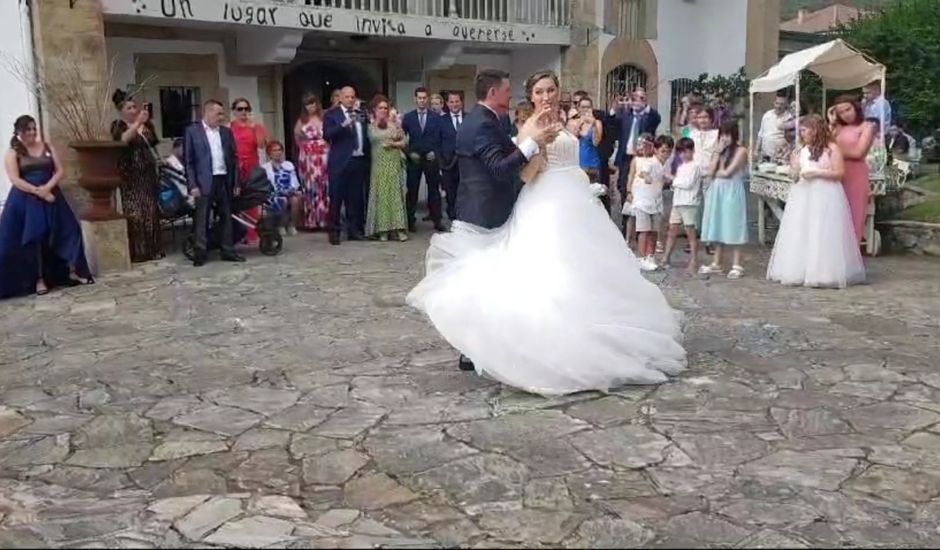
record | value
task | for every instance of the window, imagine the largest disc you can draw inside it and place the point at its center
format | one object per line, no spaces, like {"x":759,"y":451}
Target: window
{"x":681,"y":87}
{"x":624,"y":79}
{"x":179,"y":107}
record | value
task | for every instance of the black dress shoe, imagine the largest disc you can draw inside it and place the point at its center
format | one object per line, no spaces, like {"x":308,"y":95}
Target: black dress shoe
{"x":232,"y":257}
{"x":439,"y":226}
{"x":355,"y":237}
{"x":466,"y":364}
{"x":334,"y":238}
{"x":199,"y":261}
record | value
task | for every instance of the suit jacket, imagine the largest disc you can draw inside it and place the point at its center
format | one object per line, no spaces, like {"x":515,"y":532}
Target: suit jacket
{"x":648,"y":123}
{"x":489,"y":165}
{"x":448,"y":154}
{"x":198,"y":156}
{"x":342,"y":140}
{"x":423,"y":141}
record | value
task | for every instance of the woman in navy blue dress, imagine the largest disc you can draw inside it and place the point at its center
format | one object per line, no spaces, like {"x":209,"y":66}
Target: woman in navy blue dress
{"x":40,"y":239}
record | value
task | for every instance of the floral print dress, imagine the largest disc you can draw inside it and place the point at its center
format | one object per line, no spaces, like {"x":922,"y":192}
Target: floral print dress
{"x":315,"y":181}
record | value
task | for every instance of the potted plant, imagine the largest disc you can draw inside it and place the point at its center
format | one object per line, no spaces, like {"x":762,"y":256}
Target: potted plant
{"x":83,"y":109}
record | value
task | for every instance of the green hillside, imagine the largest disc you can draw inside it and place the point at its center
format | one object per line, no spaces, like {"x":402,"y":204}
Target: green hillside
{"x":790,"y":7}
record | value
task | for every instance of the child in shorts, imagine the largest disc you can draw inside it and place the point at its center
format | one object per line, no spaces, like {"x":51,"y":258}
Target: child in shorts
{"x":647,"y":193}
{"x":686,"y":202}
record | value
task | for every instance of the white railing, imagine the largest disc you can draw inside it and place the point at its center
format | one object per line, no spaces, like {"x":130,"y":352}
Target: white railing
{"x":553,"y":13}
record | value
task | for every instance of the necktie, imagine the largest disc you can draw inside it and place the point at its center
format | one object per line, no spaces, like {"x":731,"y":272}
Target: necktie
{"x":458,"y":121}
{"x":421,"y":120}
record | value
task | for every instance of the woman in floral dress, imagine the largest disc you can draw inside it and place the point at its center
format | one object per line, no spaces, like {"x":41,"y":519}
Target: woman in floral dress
{"x":385,"y":216}
{"x":250,"y":138}
{"x":312,"y":152}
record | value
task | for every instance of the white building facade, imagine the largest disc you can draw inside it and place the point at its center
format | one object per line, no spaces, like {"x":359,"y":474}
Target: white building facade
{"x":273,"y":52}
{"x":16,"y":50}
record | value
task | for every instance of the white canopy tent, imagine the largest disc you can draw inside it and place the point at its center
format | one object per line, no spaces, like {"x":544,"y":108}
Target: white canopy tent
{"x":839,"y":65}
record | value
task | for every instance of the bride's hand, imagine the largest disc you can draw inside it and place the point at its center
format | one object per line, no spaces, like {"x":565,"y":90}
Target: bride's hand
{"x":535,"y":123}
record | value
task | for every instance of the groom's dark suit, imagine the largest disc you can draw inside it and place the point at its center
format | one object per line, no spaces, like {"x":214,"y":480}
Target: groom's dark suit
{"x":489,"y":165}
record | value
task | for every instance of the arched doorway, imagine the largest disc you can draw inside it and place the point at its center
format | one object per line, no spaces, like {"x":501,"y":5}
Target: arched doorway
{"x":625,"y":78}
{"x":320,"y":78}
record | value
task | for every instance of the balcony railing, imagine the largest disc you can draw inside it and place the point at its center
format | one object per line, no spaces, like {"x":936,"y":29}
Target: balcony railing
{"x":552,"y":13}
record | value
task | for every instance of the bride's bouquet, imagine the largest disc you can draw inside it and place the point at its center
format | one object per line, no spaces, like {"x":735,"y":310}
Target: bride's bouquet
{"x":598,"y":189}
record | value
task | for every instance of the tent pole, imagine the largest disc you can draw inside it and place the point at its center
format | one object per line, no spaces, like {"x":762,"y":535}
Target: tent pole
{"x":796,"y":126}
{"x":750,"y":136}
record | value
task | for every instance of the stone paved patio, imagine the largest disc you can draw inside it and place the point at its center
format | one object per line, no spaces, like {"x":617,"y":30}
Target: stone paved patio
{"x":295,"y":401}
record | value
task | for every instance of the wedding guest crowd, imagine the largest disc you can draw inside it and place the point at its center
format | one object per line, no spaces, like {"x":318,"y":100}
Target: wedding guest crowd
{"x":360,"y":165}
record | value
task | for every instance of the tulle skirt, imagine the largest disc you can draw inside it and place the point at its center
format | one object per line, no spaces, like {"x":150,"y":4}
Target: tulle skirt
{"x":816,"y":245}
{"x":552,"y":302}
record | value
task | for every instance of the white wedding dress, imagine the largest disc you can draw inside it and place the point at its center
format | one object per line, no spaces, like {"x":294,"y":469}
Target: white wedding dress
{"x":816,"y":244}
{"x":553,"y":301}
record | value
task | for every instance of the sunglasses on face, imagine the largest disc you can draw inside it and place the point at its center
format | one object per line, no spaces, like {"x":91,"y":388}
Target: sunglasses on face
{"x":242,"y":109}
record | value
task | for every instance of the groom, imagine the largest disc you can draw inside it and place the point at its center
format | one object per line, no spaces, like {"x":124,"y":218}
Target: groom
{"x":488,"y":161}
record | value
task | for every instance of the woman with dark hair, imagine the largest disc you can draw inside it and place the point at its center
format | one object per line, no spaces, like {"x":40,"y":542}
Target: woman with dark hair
{"x":724,"y":219}
{"x":140,"y":185}
{"x":251,"y":137}
{"x":40,"y":239}
{"x":312,"y":153}
{"x":816,"y":244}
{"x":854,"y":136}
{"x":386,"y":216}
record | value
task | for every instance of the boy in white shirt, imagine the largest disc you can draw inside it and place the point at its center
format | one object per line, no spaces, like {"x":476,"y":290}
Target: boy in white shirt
{"x":686,"y":202}
{"x":647,"y":192}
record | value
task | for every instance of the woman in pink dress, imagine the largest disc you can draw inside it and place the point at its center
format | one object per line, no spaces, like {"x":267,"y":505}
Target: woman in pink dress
{"x":250,"y":138}
{"x":312,"y":152}
{"x":854,"y":137}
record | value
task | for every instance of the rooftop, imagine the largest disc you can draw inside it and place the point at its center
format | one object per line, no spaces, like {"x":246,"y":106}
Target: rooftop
{"x":822,"y":20}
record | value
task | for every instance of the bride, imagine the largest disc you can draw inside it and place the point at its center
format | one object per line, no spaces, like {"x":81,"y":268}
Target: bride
{"x":553,"y":301}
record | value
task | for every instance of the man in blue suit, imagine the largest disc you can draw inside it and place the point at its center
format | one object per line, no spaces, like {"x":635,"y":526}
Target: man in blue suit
{"x":451,"y":121}
{"x":345,"y":128}
{"x":211,"y":171}
{"x":424,"y":144}
{"x":631,"y":119}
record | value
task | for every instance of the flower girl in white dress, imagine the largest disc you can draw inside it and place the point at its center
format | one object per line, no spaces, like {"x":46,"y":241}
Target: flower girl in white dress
{"x":816,"y":244}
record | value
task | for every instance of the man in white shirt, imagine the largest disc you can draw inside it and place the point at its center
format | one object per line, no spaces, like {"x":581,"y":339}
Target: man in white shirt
{"x":211,"y":171}
{"x":771,"y":135}
{"x":875,"y":105}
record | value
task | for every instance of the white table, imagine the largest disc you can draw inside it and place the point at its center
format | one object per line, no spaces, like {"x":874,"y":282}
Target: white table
{"x":773,"y":189}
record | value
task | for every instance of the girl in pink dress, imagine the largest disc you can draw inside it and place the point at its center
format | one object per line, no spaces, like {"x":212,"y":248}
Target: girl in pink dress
{"x":250,"y":138}
{"x":312,"y":153}
{"x":854,"y":137}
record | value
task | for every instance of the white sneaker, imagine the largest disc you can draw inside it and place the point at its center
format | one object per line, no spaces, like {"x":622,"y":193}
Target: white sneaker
{"x":648,"y":264}
{"x":292,"y":231}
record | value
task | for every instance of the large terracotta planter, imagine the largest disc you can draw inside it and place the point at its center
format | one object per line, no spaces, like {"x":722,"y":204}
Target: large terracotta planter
{"x":99,"y":176}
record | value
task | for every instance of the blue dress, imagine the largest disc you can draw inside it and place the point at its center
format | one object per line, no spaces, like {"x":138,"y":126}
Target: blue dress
{"x":724,"y":217}
{"x":590,"y":156}
{"x":38,"y":237}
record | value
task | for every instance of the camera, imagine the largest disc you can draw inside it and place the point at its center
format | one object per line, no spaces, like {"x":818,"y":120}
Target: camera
{"x":358,"y":115}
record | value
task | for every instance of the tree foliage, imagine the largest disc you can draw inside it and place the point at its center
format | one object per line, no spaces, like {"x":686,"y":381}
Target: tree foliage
{"x":905,"y":37}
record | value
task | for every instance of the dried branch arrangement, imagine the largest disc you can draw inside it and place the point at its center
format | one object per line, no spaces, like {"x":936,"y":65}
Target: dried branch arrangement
{"x":81,"y":105}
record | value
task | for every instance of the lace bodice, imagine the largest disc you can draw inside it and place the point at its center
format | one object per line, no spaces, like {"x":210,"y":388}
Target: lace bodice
{"x":808,"y":164}
{"x":563,"y":152}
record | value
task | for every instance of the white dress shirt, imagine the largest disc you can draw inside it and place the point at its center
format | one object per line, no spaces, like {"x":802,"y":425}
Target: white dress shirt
{"x":528,"y":146}
{"x":456,"y":119}
{"x":357,"y":152}
{"x":771,"y":134}
{"x":215,"y":147}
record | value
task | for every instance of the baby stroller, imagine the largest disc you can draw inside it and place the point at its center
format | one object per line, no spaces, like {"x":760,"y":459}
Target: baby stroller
{"x":258,"y":191}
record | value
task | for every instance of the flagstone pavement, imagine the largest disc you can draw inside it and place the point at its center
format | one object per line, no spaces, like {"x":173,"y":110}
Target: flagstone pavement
{"x":296,"y":401}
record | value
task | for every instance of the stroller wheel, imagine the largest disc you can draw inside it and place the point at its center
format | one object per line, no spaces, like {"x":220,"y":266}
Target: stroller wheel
{"x":189,"y":248}
{"x":271,"y":244}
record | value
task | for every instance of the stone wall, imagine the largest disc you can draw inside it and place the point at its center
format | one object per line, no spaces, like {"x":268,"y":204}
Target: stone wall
{"x":907,"y":237}
{"x":70,"y":28}
{"x":580,"y":62}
